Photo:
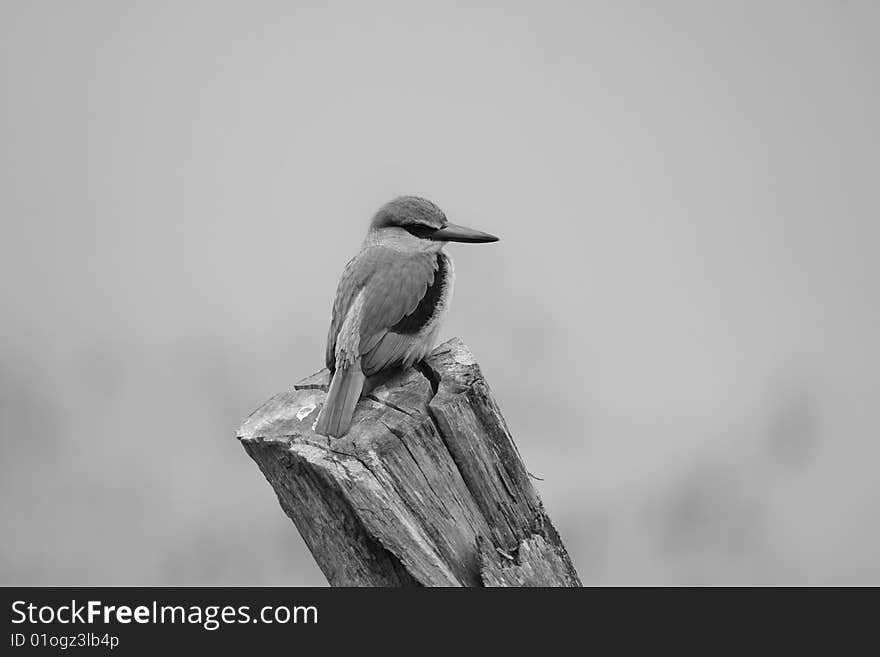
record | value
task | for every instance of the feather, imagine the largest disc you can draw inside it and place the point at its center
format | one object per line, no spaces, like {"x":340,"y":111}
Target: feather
{"x":390,"y":350}
{"x":385,"y":298}
{"x":416,"y":320}
{"x":342,"y":398}
{"x":392,"y":284}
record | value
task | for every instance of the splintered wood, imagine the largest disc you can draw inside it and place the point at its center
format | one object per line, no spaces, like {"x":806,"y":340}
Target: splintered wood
{"x":426,"y":489}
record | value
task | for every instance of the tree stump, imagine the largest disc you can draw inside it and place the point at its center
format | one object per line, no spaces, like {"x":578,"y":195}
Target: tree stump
{"x":426,"y":489}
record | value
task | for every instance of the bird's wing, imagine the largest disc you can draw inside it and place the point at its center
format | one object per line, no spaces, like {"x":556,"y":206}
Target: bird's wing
{"x":383,"y":286}
{"x":350,"y":283}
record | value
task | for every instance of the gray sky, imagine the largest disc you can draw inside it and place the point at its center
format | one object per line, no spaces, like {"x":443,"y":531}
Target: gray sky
{"x":680,"y":320}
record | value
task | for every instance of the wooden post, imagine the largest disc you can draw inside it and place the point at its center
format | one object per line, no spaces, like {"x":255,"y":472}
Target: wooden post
{"x":426,"y":489}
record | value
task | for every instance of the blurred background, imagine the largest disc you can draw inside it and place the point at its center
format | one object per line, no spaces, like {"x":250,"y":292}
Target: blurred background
{"x":680,"y":321}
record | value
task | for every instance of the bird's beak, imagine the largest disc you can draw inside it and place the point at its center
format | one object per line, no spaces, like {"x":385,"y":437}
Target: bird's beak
{"x":456,"y":233}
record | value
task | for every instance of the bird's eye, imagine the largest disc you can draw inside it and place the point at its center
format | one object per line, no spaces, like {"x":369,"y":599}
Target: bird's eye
{"x":420,"y":231}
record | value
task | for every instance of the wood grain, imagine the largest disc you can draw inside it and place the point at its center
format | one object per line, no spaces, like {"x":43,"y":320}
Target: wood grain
{"x":426,"y":489}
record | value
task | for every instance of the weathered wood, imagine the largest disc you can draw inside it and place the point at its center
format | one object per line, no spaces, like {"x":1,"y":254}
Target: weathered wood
{"x":427,"y":488}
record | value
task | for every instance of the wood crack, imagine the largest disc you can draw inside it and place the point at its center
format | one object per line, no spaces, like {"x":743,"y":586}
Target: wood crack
{"x":390,"y":405}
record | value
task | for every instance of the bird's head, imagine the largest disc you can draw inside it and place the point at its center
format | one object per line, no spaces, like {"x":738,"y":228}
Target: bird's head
{"x":412,"y":223}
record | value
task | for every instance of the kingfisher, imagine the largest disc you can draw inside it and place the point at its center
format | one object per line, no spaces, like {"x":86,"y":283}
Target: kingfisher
{"x":391,"y":301}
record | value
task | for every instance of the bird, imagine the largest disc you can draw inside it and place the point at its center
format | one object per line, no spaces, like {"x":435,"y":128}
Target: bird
{"x":390,"y":303}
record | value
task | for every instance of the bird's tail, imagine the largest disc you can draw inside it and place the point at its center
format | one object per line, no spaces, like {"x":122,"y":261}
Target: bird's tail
{"x":345,"y":390}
